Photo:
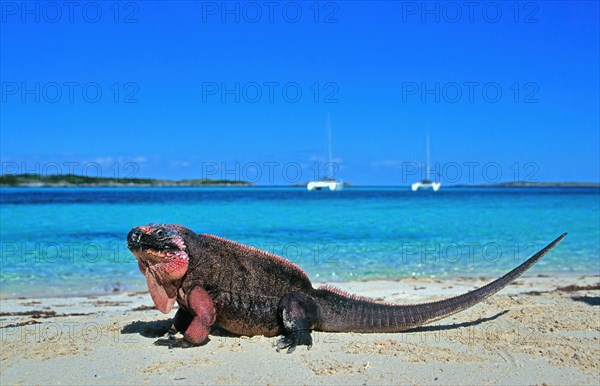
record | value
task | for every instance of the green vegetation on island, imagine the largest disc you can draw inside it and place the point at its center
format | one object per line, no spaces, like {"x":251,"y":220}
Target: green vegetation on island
{"x":35,"y":180}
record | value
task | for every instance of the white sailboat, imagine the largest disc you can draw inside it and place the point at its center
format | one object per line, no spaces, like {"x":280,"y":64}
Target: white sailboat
{"x":426,"y":184}
{"x":327,"y":183}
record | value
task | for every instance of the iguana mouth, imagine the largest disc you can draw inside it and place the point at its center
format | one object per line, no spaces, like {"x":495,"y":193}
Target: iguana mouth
{"x":151,"y":256}
{"x":155,"y":242}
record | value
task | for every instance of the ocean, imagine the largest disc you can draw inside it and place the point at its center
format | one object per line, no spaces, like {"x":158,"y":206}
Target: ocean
{"x":71,"y":241}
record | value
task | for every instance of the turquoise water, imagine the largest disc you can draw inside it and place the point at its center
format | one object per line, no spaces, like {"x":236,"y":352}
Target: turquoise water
{"x":64,"y":241}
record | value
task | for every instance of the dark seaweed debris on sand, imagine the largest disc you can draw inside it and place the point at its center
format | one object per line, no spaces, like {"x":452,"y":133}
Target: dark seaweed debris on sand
{"x":39,"y":314}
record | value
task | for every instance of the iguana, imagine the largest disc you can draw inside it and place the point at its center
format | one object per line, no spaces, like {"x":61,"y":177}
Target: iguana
{"x":250,"y":292}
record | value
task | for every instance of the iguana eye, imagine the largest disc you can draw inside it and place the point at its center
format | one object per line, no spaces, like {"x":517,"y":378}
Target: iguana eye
{"x":159,"y":233}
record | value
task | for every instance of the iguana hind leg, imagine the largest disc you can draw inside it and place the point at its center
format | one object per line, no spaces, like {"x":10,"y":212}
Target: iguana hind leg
{"x":298,"y":314}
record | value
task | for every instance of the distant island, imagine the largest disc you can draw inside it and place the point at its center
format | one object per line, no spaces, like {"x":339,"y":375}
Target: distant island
{"x":530,"y":184}
{"x":58,"y":180}
{"x":74,"y":180}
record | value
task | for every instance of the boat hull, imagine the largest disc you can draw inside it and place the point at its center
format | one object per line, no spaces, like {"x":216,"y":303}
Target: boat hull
{"x":435,"y":186}
{"x":325,"y":185}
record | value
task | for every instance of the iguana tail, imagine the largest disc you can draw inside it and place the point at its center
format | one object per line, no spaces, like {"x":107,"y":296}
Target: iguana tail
{"x":342,"y":312}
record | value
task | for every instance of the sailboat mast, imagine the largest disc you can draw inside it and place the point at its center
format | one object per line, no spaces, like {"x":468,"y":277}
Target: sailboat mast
{"x":329,"y":150}
{"x":427,"y":160}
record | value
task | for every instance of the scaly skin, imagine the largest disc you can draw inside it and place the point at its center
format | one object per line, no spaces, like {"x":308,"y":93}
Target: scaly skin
{"x":247,"y":291}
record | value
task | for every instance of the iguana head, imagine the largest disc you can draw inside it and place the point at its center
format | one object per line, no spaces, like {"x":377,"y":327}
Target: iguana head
{"x":160,"y":250}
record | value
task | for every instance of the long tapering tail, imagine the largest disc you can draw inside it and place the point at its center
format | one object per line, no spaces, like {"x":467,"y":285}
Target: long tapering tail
{"x":342,"y":312}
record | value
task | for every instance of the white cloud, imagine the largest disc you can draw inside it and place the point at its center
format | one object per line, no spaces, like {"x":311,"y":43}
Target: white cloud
{"x":140,"y":159}
{"x":389,"y":163}
{"x":104,"y":160}
{"x":180,"y":164}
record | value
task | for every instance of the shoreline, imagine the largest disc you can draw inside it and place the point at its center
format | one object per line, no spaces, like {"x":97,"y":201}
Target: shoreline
{"x":530,"y":332}
{"x":481,"y":279}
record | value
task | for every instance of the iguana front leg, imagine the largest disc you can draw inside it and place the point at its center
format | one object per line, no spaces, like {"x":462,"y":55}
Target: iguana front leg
{"x":196,"y":322}
{"x":202,"y":308}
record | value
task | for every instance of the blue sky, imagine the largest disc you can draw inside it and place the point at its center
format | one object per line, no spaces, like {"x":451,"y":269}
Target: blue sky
{"x":241,"y":90}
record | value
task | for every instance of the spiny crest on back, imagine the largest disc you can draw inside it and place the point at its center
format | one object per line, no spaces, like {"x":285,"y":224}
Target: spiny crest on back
{"x":348,"y":295}
{"x":259,"y":252}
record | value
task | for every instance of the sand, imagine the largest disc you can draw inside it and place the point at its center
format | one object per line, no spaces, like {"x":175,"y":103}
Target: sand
{"x":529,"y":333}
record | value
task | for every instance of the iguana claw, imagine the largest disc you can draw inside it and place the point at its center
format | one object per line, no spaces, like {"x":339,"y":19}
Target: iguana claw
{"x":173,"y":342}
{"x":294,"y":339}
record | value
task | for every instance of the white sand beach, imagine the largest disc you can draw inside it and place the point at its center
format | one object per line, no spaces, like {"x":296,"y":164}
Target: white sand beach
{"x":529,"y":333}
